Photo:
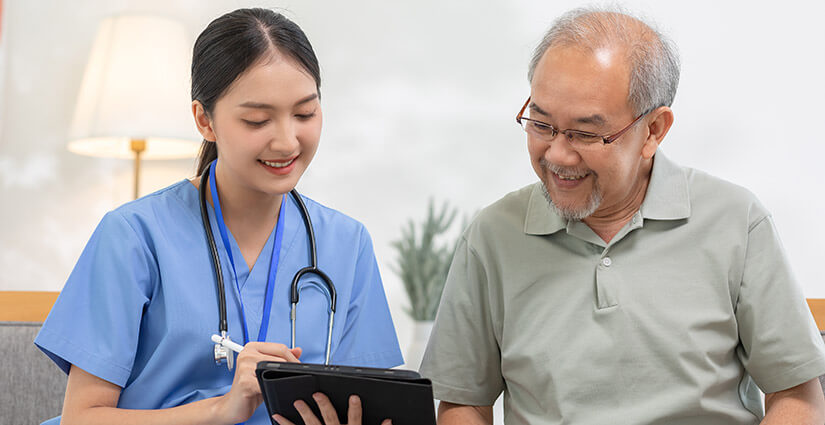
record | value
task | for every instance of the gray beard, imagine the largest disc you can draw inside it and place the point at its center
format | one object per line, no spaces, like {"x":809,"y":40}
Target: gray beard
{"x":570,"y":214}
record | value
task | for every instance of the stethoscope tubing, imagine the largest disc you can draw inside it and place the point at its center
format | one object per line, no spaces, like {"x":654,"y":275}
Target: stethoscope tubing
{"x":223,"y":326}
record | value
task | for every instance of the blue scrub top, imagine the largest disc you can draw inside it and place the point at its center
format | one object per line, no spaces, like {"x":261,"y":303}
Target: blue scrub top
{"x":141,"y":304}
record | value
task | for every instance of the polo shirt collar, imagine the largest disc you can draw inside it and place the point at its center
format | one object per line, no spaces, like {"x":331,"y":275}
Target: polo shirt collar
{"x":540,"y":219}
{"x":668,"y":193}
{"x":667,"y":198}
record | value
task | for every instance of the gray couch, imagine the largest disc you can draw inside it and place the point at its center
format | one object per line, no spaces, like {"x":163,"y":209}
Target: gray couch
{"x":31,"y":386}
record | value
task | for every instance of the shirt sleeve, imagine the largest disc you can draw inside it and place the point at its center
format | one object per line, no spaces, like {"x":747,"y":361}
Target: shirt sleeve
{"x":369,"y":337}
{"x":96,"y":320}
{"x":462,"y":358}
{"x":780,"y":346}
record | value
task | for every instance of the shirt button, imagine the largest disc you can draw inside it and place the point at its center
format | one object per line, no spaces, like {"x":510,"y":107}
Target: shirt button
{"x":606,"y":261}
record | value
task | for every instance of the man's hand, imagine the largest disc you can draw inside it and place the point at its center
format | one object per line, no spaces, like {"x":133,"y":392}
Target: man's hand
{"x":354,"y":412}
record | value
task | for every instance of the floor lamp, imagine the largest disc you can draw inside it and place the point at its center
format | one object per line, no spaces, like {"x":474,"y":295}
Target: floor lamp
{"x":134,"y":98}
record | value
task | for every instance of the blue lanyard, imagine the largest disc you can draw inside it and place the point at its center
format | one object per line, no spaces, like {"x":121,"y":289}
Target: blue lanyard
{"x":273,"y":263}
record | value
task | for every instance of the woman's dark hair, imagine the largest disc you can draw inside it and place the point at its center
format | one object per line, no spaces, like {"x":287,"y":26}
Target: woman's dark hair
{"x":230,"y":45}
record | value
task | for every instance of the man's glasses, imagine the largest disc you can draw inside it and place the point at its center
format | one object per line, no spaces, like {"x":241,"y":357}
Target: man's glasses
{"x":578,"y":139}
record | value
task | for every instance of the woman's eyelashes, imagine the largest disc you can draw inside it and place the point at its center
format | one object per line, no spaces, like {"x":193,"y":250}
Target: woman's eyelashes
{"x":255,"y":124}
{"x":306,"y":115}
{"x":260,"y":123}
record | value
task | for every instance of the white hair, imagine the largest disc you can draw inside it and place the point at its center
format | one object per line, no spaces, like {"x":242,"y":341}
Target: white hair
{"x":653,"y":58}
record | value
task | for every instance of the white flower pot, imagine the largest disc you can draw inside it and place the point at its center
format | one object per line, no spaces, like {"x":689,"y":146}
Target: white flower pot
{"x":415,"y":351}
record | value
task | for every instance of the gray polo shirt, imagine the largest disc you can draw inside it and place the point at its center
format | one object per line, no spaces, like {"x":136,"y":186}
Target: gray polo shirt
{"x":664,"y":325}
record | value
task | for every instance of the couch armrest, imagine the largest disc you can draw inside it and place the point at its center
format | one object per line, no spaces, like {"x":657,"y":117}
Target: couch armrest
{"x":26,"y":306}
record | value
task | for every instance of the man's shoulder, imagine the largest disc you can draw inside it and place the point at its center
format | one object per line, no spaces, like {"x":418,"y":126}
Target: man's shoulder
{"x":513,"y":203}
{"x":506,"y":215}
{"x":715,"y":195}
{"x":703,"y":183}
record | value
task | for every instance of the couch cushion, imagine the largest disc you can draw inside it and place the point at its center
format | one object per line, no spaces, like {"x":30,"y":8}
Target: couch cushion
{"x":32,"y":387}
{"x":822,"y":378}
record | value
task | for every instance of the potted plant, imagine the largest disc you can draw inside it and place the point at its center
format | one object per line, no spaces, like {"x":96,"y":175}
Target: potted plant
{"x":424,"y":256}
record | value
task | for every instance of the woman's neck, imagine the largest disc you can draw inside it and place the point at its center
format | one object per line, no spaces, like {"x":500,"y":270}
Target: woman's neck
{"x":249,"y":214}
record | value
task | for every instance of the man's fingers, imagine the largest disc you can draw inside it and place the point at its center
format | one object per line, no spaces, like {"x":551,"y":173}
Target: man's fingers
{"x":327,"y":410}
{"x":354,"y":411}
{"x":282,"y":420}
{"x":306,"y":413}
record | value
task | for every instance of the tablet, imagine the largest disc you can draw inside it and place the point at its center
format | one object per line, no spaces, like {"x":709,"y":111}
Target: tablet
{"x":401,"y":395}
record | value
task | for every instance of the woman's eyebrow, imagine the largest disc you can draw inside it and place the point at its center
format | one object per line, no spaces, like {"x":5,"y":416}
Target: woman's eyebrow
{"x":261,"y":105}
{"x":309,"y":98}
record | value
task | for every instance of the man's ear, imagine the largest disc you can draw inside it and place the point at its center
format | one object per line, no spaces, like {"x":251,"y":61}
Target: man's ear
{"x":659,"y":123}
{"x":203,"y":121}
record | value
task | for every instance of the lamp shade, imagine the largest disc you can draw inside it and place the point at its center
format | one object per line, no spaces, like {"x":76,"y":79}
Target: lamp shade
{"x":135,"y":87}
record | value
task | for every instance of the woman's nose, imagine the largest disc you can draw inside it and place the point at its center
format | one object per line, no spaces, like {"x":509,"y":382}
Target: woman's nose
{"x":284,"y":138}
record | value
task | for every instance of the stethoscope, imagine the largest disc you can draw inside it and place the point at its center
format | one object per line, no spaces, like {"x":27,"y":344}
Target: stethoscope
{"x":223,"y":344}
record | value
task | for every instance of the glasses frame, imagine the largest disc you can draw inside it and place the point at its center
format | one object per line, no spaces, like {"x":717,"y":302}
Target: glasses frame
{"x":605,"y":139}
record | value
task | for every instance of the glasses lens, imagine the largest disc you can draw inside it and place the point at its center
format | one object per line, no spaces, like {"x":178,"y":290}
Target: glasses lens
{"x":538,"y":128}
{"x":583,"y":139}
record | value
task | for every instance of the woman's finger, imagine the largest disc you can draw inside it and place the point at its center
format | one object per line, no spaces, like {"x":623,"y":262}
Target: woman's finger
{"x":306,"y":413}
{"x":274,"y":350}
{"x":354,"y":411}
{"x":327,"y":409}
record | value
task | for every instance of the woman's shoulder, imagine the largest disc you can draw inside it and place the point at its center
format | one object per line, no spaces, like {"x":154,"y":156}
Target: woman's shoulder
{"x":331,"y":219}
{"x":171,"y":199}
{"x":176,"y":205}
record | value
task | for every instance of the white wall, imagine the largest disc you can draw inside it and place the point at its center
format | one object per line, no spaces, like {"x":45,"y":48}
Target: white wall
{"x":419,"y":100}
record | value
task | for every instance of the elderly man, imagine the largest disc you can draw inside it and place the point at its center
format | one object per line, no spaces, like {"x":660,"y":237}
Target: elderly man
{"x":621,"y":288}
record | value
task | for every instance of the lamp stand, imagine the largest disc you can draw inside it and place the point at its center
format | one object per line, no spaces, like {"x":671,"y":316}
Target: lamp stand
{"x":137,"y":146}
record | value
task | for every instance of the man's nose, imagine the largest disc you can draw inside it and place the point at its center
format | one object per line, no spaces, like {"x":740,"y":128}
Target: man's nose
{"x":560,"y":152}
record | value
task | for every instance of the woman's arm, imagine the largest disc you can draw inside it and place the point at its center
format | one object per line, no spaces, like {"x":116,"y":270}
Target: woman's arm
{"x":91,"y":400}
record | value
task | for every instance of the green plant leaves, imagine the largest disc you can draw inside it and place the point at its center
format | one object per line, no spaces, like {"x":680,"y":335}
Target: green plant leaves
{"x":423,"y":259}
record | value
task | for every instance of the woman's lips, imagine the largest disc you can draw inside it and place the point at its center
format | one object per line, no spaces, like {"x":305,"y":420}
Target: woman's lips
{"x":280,"y":167}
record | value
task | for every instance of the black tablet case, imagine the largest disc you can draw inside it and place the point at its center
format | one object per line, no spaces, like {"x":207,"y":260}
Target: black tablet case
{"x":400,"y":395}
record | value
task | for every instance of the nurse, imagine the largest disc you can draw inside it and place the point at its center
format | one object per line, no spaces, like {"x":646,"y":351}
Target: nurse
{"x":132,"y":325}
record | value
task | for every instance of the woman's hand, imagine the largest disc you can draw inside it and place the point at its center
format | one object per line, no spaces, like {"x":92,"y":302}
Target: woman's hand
{"x":327,"y":412}
{"x":244,"y":397}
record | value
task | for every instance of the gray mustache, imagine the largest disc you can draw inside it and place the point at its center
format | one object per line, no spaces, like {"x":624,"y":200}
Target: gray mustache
{"x":567,"y":171}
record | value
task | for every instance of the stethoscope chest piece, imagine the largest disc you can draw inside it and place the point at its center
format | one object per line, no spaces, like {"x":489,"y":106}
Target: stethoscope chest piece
{"x":224,"y":354}
{"x":224,"y":347}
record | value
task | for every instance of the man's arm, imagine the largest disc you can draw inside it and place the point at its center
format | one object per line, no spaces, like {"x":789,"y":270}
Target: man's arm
{"x":803,"y":404}
{"x":460,"y":414}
